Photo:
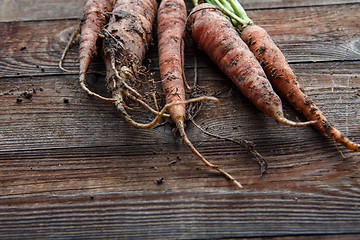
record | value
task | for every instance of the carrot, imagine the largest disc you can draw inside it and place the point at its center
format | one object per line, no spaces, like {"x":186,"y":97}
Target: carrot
{"x":219,"y":39}
{"x":283,"y":78}
{"x":171,"y":19}
{"x":94,"y":19}
{"x":126,"y":39}
{"x":125,"y":42}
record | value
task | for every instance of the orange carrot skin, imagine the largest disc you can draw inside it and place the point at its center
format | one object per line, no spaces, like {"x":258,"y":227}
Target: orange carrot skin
{"x":127,"y":38}
{"x":93,"y":21}
{"x":171,"y":20}
{"x":132,"y":22}
{"x":219,"y":39}
{"x":283,"y":79}
{"x":131,"y":25}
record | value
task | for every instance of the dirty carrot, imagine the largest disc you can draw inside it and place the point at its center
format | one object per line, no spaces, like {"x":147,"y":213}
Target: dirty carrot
{"x":94,"y":19}
{"x":126,"y":40}
{"x":219,"y":39}
{"x":281,"y":75}
{"x":171,"y":20}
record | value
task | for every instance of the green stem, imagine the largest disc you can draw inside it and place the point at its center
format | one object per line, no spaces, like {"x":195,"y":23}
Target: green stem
{"x":240,"y":11}
{"x":195,"y":2}
{"x":227,"y":5}
{"x":234,"y":10}
{"x":229,"y":13}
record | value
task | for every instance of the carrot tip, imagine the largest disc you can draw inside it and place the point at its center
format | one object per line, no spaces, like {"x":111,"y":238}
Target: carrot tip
{"x":238,"y":184}
{"x":84,"y":87}
{"x":292,"y":123}
{"x":181,"y":128}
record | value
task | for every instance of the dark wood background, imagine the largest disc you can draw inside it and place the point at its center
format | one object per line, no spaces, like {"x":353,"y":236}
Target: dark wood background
{"x":76,"y":170}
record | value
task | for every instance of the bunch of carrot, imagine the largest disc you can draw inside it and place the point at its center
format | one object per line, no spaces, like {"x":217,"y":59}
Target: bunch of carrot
{"x":250,"y":60}
{"x":125,"y":29}
{"x":273,"y":62}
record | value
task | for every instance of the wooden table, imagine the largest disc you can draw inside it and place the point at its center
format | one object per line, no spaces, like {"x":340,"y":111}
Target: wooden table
{"x":71,"y":168}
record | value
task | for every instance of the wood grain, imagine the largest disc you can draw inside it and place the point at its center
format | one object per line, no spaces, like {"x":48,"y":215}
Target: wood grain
{"x":35,"y":49}
{"x":30,"y":10}
{"x":207,"y":215}
{"x":74,"y":169}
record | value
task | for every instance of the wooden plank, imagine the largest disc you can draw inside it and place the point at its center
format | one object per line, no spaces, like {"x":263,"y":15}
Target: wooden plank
{"x":34,"y":50}
{"x":88,"y":184}
{"x":314,"y":33}
{"x":28,"y":10}
{"x":339,"y":100}
{"x":208,"y":214}
{"x":74,"y":169}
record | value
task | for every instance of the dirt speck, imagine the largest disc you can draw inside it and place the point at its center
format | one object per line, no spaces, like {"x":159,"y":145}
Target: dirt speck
{"x":172,"y":162}
{"x":159,"y":181}
{"x":28,"y":94}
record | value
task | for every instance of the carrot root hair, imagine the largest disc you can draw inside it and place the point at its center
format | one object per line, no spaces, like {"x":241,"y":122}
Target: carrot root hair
{"x":82,"y":78}
{"x":248,"y":145}
{"x":286,"y":121}
{"x":120,"y":94}
{"x":91,"y":93}
{"x":66,"y":49}
{"x":181,"y":129}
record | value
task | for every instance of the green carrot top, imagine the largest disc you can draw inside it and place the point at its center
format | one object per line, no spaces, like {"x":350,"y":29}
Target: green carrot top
{"x":232,"y":9}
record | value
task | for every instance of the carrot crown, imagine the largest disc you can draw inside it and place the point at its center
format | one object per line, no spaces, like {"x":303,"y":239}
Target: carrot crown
{"x":232,"y":9}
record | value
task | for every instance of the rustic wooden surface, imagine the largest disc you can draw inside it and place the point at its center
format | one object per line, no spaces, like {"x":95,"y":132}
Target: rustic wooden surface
{"x":76,"y":170}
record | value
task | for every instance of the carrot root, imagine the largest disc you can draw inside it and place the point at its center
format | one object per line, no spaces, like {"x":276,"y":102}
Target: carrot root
{"x":93,"y":21}
{"x":248,"y":145}
{"x":284,"y":80}
{"x":286,"y":121}
{"x":120,"y":104}
{"x":91,"y":93}
{"x":66,"y":49}
{"x":171,"y":28}
{"x":181,"y":129}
